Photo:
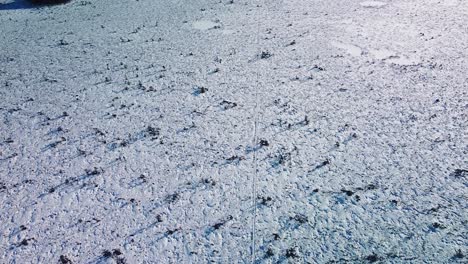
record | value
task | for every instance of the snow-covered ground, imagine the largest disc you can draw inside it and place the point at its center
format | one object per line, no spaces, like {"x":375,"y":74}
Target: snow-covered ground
{"x":243,"y":131}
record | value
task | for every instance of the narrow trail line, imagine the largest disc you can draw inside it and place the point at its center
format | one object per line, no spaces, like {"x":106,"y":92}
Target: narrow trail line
{"x":255,"y":139}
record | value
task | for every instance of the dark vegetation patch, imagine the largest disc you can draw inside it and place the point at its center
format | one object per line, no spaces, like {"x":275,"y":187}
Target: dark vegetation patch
{"x":91,"y":222}
{"x":115,"y":254}
{"x":94,"y":171}
{"x":458,"y":254}
{"x":300,"y":218}
{"x":372,"y":258}
{"x":54,"y":144}
{"x":286,"y":125}
{"x":269,"y":253}
{"x":159,"y":219}
{"x":140,"y":180}
{"x":264,"y":143}
{"x":265,"y":55}
{"x":321,"y":165}
{"x":149,"y":132}
{"x":459,"y":174}
{"x":175,"y":196}
{"x":225,"y":105}
{"x":199,"y":90}
{"x":234,"y":159}
{"x":317,"y":68}
{"x":292,"y":43}
{"x":375,"y":258}
{"x":434,"y":227}
{"x":25,"y":242}
{"x":215,"y":70}
{"x":187,"y":128}
{"x":10,"y":156}
{"x":171,"y":231}
{"x":99,"y":132}
{"x":222,"y":222}
{"x":172,"y":198}
{"x":265,"y":201}
{"x":292,"y":253}
{"x":347,"y":192}
{"x":152,"y":132}
{"x":283,"y":157}
{"x":81,"y":180}
{"x":18,"y":184}
{"x":107,"y":254}
{"x":209,"y":182}
{"x":64,"y":260}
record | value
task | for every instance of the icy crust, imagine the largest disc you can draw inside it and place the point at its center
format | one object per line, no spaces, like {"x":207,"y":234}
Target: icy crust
{"x":233,"y":132}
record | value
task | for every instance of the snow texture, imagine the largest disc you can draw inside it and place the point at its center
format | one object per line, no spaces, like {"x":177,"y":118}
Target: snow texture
{"x":243,"y":131}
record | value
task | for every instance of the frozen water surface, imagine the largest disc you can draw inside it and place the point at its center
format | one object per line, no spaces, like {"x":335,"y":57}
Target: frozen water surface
{"x":373,"y":4}
{"x":349,"y":48}
{"x":234,"y":131}
{"x":381,"y":54}
{"x":205,"y":25}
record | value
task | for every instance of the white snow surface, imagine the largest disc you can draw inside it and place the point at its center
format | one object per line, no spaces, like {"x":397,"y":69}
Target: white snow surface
{"x":297,"y":132}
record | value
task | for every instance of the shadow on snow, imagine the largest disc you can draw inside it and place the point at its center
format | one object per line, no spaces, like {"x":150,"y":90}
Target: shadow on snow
{"x":28,"y":4}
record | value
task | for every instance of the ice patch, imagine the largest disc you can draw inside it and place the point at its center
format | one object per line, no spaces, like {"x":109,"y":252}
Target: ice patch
{"x":228,"y":32}
{"x":403,"y":60}
{"x":373,"y":4}
{"x":382,"y":54}
{"x":205,"y":25}
{"x":450,"y":3}
{"x":349,"y":48}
